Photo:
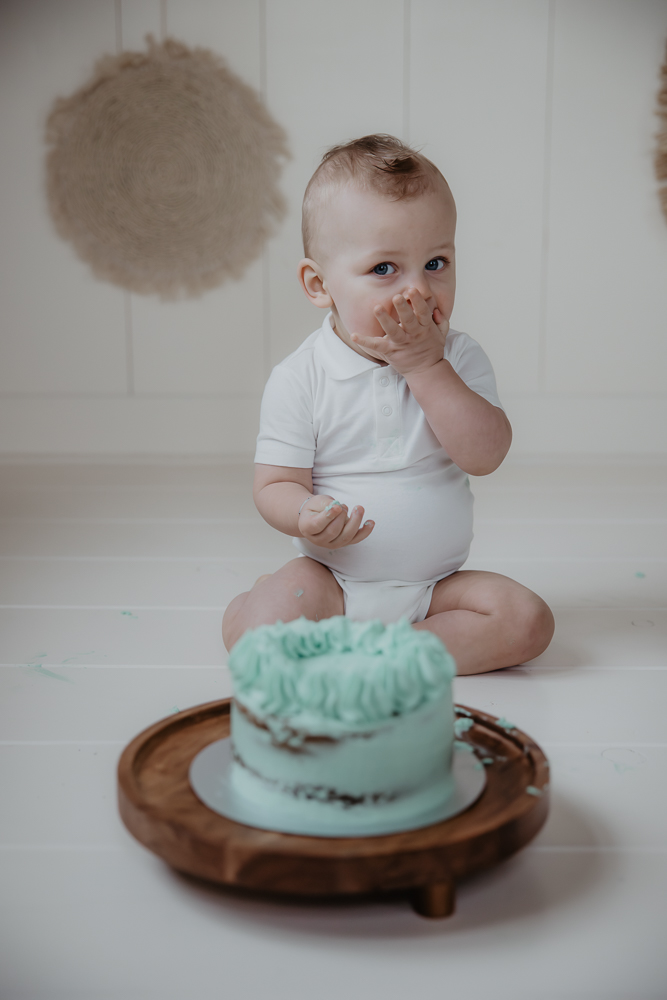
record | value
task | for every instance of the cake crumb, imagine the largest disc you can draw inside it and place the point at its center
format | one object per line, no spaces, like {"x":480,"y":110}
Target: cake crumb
{"x":461,"y":726}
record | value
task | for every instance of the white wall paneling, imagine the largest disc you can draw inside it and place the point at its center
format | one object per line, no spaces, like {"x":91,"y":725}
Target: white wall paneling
{"x":553,"y":424}
{"x":232,"y":29}
{"x":138,"y":425}
{"x":477,"y":106}
{"x":139,"y":18}
{"x":62,"y":330}
{"x":334,"y":72}
{"x":210,"y":344}
{"x":607,"y":285}
{"x":214,"y":343}
{"x":539,"y":112}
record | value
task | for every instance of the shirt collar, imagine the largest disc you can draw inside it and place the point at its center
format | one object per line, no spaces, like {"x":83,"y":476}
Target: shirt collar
{"x":338,"y":360}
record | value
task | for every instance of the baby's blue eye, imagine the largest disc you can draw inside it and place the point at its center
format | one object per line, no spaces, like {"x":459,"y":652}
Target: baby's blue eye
{"x":383,"y":269}
{"x":436,"y":264}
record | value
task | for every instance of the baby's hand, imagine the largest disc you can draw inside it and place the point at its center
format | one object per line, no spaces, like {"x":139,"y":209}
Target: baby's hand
{"x":324,"y":521}
{"x":414,"y":345}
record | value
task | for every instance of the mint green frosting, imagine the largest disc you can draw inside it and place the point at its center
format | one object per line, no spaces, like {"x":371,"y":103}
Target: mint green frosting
{"x":305,"y":667}
{"x":462,"y":726}
{"x":502,"y":721}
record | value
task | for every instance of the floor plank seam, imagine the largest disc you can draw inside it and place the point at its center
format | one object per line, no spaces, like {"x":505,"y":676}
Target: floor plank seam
{"x":156,"y":559}
{"x":120,"y":666}
{"x":258,"y":520}
{"x":62,"y":743}
{"x":474,"y":559}
{"x":218,"y":608}
{"x":87,"y":848}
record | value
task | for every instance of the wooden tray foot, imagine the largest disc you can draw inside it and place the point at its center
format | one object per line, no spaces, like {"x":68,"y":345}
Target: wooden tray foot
{"x":434,"y":900}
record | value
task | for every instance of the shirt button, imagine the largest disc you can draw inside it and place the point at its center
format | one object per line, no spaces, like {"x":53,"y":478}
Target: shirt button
{"x":386,"y":410}
{"x":384,"y":380}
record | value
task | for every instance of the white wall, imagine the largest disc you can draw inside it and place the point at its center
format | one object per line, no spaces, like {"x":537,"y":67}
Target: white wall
{"x":540,"y":113}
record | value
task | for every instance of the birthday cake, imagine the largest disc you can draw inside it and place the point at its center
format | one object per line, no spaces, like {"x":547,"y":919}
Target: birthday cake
{"x":342,"y":725}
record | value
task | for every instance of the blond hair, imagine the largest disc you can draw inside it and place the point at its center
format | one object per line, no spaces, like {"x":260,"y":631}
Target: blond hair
{"x":380,"y":163}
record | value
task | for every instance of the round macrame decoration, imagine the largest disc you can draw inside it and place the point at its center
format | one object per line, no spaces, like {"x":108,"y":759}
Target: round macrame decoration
{"x":661,"y":151}
{"x":163,"y":170}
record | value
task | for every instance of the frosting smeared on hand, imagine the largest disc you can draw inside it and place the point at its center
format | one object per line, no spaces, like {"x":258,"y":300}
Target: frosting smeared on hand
{"x":324,"y":521}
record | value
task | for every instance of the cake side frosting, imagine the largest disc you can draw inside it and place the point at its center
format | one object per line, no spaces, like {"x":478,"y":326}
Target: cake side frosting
{"x":351,"y":722}
{"x":337,"y":674}
{"x":386,"y":761}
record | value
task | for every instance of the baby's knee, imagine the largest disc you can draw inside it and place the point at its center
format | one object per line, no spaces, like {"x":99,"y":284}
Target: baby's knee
{"x":302,"y":570}
{"x":230,"y":628}
{"x":536,"y":626}
{"x":301,"y":587}
{"x":305,"y":578}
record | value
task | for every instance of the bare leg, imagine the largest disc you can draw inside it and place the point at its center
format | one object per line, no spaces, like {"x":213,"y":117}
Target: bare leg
{"x":488,"y":621}
{"x":301,"y":587}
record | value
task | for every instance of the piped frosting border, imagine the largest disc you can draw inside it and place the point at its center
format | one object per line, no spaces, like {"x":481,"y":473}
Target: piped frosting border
{"x":303,"y":668}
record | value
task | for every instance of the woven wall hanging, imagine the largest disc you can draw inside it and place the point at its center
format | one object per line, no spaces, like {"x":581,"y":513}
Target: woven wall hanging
{"x":163,"y":170}
{"x":661,"y":152}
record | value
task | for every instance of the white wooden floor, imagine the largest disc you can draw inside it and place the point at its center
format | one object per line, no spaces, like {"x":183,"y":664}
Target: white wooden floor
{"x":113,"y":583}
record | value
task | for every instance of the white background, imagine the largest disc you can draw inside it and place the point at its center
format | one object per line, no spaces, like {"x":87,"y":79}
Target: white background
{"x":541,"y":113}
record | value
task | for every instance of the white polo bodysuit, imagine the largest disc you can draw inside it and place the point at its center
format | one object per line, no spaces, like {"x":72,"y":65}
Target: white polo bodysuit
{"x":356,"y":424}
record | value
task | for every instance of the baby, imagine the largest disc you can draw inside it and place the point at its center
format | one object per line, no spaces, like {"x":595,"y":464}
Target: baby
{"x":385,"y":409}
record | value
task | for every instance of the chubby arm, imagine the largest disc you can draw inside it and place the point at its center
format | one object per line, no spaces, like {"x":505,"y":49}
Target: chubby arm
{"x":284,"y":497}
{"x":474,"y":433}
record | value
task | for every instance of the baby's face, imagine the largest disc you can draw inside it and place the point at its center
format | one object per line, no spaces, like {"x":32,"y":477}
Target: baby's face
{"x":371,"y":248}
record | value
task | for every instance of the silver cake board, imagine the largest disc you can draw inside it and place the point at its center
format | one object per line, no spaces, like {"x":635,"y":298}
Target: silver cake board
{"x":210,"y":780}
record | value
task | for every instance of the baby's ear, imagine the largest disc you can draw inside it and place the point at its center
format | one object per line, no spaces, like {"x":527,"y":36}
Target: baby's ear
{"x":312,"y":282}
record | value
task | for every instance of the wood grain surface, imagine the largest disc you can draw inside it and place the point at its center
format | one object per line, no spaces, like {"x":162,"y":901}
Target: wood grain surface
{"x":160,"y":809}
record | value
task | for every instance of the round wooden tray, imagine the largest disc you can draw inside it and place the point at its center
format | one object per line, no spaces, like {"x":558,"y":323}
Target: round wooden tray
{"x":160,"y":809}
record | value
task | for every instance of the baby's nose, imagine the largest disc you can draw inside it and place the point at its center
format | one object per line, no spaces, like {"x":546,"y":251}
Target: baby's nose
{"x":423,"y":289}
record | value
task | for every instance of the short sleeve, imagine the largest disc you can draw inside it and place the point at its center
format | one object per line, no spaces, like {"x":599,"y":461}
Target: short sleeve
{"x":286,"y":435}
{"x":471,"y":363}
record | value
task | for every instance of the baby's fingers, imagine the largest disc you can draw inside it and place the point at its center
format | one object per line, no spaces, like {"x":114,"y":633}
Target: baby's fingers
{"x":364,"y":532}
{"x":389,"y":324}
{"x":406,"y":315}
{"x":354,"y":531}
{"x":327,"y":524}
{"x":419,"y":305}
{"x":373,"y":345}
